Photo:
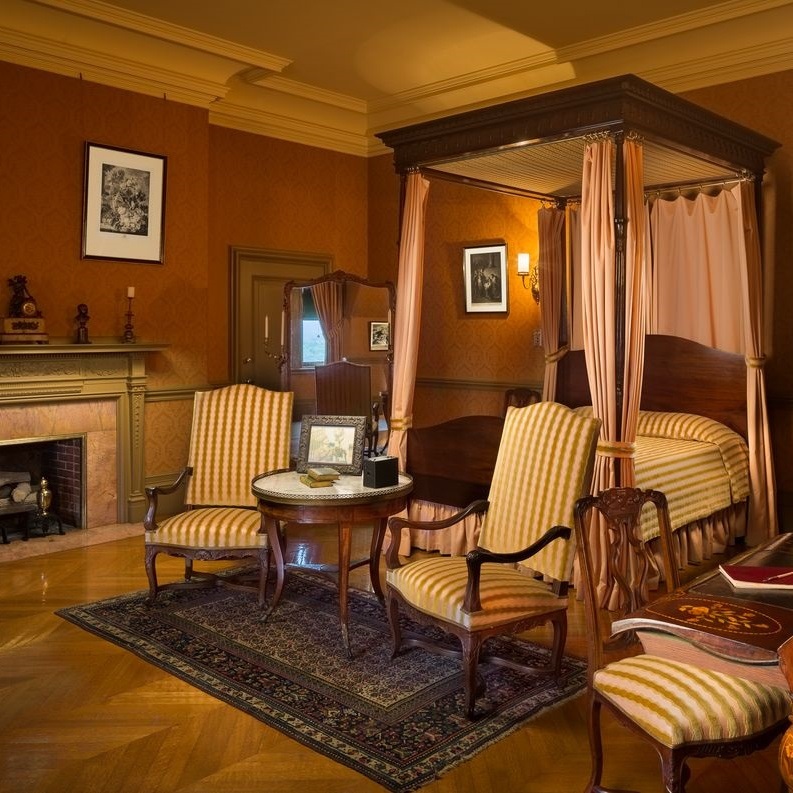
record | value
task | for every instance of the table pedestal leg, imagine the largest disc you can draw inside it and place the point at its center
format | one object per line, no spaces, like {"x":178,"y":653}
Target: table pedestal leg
{"x":277,"y":549}
{"x":345,"y":544}
{"x":378,"y":535}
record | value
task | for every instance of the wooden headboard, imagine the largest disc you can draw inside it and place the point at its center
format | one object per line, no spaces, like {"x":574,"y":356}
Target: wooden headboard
{"x":452,"y":463}
{"x":679,"y":376}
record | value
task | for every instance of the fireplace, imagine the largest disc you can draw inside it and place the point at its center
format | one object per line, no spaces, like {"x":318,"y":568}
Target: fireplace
{"x":94,"y":393}
{"x":58,"y":460}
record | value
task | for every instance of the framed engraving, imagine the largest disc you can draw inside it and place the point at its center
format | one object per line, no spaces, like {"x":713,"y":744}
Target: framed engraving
{"x":485,"y":279}
{"x":379,"y":336}
{"x":123,"y":204}
{"x":335,"y":441}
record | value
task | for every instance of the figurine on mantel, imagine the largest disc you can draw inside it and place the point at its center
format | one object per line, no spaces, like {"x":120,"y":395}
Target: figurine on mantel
{"x":82,"y":324}
{"x":24,"y":323}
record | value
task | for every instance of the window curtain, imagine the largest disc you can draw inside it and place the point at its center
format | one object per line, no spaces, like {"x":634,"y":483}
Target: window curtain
{"x":408,"y":313}
{"x":598,"y":279}
{"x":550,"y":223}
{"x":328,"y":299}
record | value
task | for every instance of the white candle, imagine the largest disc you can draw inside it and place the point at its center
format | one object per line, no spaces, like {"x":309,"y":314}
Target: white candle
{"x":389,"y":319}
{"x":130,"y":291}
{"x":283,"y":323}
{"x":266,"y":327}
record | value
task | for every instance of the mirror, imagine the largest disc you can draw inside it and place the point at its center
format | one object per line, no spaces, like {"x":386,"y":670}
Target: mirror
{"x":339,"y":316}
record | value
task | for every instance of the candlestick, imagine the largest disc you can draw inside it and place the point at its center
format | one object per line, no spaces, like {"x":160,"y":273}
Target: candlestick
{"x":129,"y":330}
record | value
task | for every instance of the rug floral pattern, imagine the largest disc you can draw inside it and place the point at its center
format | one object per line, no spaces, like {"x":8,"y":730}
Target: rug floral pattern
{"x":397,"y":721}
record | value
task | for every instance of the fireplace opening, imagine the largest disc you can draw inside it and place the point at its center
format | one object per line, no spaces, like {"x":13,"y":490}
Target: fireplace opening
{"x":61,"y":461}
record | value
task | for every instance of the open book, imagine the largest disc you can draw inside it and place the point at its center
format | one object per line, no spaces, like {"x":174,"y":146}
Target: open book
{"x":748,"y":577}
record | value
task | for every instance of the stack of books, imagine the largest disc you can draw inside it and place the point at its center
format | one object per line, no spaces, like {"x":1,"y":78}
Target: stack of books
{"x":319,"y":477}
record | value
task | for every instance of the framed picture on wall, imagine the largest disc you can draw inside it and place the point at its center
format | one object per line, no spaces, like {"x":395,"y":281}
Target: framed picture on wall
{"x":485,"y":279}
{"x":123,"y":204}
{"x":379,"y":336}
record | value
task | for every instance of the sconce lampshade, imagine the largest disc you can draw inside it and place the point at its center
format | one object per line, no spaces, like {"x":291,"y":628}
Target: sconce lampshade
{"x":523,"y":264}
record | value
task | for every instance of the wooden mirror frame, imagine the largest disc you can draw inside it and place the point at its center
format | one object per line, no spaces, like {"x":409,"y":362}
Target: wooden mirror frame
{"x":342,"y":277}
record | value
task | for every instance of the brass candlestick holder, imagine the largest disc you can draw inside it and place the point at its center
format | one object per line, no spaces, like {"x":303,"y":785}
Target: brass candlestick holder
{"x":129,"y":328}
{"x":278,"y":357}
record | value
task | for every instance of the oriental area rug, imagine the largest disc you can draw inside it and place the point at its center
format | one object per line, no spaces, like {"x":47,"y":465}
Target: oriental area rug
{"x":397,"y":721}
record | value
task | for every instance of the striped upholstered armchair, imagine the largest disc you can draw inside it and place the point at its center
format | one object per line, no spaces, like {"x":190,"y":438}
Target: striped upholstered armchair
{"x":238,"y":432}
{"x":544,"y":464}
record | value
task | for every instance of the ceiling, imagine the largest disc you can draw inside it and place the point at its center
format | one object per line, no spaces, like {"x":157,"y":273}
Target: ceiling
{"x":331,"y":73}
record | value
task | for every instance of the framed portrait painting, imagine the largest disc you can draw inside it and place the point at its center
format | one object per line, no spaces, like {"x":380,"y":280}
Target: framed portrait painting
{"x":485,"y":279}
{"x":123,"y":204}
{"x":333,"y":441}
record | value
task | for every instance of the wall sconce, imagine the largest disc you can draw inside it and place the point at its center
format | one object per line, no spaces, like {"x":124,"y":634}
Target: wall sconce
{"x":525,"y":270}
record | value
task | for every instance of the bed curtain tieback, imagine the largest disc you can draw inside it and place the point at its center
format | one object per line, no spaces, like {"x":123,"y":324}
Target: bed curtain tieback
{"x":755,"y":363}
{"x":404,"y":423}
{"x":553,"y":357}
{"x":621,"y":449}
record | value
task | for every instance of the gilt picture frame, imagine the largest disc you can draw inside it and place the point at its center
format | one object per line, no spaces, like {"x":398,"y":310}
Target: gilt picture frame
{"x":334,"y":441}
{"x":123,"y":204}
{"x":485,"y":279}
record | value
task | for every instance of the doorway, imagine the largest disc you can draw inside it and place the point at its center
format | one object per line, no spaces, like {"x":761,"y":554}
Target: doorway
{"x":257,"y":295}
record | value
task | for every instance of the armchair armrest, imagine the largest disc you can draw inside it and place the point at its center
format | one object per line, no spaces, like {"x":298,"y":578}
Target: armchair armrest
{"x":395,"y":526}
{"x":150,"y":520}
{"x":476,"y":558}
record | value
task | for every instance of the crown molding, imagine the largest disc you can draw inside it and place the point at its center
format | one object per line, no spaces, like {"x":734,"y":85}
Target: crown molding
{"x":305,"y":91}
{"x":109,"y":69}
{"x":311,"y":133}
{"x":166,"y":31}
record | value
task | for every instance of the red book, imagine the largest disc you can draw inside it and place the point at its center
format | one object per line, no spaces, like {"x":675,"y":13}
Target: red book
{"x":750,"y":577}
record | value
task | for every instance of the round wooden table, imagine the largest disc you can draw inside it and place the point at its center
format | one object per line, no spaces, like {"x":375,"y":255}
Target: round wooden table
{"x":284,"y":498}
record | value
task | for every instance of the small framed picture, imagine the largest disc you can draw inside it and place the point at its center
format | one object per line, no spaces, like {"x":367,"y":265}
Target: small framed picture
{"x":123,"y":204}
{"x":485,"y":278}
{"x":379,"y":336}
{"x":335,"y":441}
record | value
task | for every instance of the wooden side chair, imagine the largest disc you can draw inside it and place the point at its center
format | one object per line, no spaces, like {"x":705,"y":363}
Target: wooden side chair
{"x":520,"y":397}
{"x":544,"y":463}
{"x":681,"y":709}
{"x":345,"y":389}
{"x":238,"y":432}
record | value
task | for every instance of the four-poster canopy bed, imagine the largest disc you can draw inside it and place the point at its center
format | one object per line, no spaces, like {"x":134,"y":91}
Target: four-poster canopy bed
{"x":608,"y":145}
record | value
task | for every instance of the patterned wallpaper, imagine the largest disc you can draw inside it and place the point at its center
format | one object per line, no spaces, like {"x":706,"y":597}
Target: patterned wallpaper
{"x":474,"y":347}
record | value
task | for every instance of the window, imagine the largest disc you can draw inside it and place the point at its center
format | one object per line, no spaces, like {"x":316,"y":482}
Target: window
{"x":311,"y":342}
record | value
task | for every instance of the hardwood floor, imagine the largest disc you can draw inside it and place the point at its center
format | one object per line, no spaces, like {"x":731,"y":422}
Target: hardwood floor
{"x":79,"y":714}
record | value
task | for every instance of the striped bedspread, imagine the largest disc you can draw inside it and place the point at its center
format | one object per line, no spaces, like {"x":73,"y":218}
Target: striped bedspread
{"x":699,"y":464}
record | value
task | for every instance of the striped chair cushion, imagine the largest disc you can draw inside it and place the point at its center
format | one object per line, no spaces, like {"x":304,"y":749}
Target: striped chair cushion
{"x":679,"y":703}
{"x":238,"y":432}
{"x":436,"y":586}
{"x":213,"y":527}
{"x":544,"y":465}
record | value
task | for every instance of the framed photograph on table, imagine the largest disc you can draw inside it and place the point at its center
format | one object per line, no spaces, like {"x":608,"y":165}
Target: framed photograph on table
{"x":333,"y":441}
{"x":123,"y":204}
{"x":485,"y":279}
{"x":379,"y":336}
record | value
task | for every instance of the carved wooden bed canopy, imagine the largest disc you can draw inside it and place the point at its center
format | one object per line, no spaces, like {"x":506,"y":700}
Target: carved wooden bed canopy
{"x":535,"y":146}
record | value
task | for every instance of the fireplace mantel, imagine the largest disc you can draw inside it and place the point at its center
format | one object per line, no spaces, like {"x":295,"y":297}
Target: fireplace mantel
{"x":39,"y":375}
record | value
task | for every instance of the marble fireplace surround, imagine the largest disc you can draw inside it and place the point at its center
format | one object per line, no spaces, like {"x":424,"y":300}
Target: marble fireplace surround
{"x":96,"y":391}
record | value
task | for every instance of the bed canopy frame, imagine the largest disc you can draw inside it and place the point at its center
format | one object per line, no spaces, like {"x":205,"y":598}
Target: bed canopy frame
{"x":535,"y":147}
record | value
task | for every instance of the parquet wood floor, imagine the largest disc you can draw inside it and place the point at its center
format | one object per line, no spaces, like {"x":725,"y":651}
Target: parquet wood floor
{"x":78,"y":714}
